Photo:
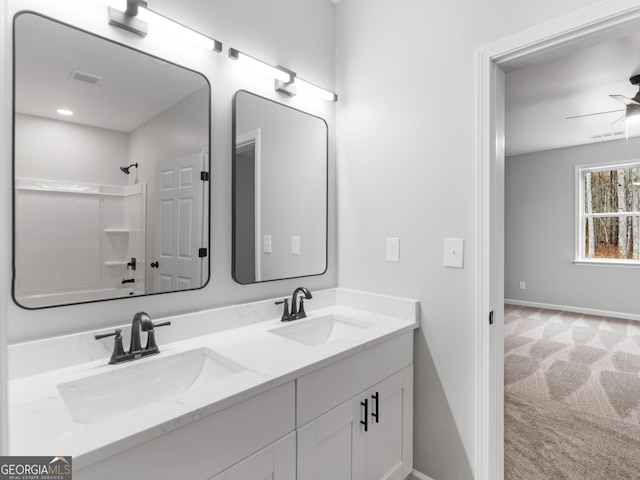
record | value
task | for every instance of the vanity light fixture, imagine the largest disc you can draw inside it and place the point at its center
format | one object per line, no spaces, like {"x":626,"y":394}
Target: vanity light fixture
{"x":260,"y":66}
{"x":297,"y":86}
{"x":287,"y":81}
{"x":306,"y":87}
{"x":134,"y":16}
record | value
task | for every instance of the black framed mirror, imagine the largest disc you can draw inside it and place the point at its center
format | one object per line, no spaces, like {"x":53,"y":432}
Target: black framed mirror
{"x":108,"y":152}
{"x":280,"y":181}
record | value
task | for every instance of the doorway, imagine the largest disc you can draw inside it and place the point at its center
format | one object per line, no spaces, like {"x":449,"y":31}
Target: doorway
{"x":583,"y":28}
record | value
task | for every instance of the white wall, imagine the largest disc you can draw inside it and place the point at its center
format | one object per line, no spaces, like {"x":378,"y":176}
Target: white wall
{"x":540,"y":212}
{"x":68,"y":152}
{"x":405,"y":168}
{"x":296,"y":33}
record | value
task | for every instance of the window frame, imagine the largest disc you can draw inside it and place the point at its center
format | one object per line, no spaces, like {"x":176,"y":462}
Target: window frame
{"x":581,"y":216}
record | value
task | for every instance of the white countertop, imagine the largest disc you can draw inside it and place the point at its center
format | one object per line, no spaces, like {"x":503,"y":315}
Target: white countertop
{"x":40,"y":422}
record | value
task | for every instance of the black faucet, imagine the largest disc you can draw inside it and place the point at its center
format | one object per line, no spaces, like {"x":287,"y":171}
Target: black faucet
{"x":297,"y":309}
{"x":141,"y":322}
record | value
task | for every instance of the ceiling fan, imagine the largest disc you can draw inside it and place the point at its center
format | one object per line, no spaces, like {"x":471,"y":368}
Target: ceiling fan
{"x":632,"y":110}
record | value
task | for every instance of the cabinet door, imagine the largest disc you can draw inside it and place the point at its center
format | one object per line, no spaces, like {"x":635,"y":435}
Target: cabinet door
{"x":388,"y":440}
{"x":366,"y":438}
{"x":275,"y":462}
{"x":325,"y":445}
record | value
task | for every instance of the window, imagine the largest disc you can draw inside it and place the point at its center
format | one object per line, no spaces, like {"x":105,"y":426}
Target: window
{"x":609,"y":214}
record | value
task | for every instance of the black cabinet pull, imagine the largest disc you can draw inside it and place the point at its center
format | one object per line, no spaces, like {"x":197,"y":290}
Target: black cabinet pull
{"x":154,"y":264}
{"x":365,"y":422}
{"x":375,"y":414}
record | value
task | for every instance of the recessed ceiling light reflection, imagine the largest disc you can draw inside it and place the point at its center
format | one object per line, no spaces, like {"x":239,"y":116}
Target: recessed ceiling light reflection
{"x":65,"y":112}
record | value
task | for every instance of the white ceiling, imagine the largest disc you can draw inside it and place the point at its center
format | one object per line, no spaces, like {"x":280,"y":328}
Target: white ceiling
{"x":135,"y":87}
{"x":540,"y":97}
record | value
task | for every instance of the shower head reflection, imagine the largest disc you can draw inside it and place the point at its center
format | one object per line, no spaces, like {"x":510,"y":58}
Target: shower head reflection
{"x":125,"y":170}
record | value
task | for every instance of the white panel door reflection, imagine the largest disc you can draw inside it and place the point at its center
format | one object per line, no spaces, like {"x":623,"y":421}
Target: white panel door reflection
{"x":180,"y":207}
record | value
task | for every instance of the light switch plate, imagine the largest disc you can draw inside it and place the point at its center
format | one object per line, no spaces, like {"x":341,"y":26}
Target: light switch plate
{"x":266,"y":244}
{"x":295,"y":244}
{"x":454,"y":252}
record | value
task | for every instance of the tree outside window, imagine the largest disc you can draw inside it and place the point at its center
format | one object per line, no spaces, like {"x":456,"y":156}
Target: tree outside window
{"x":609,"y":220}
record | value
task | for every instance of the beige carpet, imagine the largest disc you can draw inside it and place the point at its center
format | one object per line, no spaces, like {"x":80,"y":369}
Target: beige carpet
{"x":572,"y":396}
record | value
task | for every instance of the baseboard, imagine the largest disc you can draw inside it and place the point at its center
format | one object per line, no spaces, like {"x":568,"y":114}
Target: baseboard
{"x":420,"y":476}
{"x":567,"y":308}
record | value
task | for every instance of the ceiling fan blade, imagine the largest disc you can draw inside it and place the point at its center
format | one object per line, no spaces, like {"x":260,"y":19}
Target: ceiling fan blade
{"x":619,"y":119}
{"x":625,"y":100}
{"x":597,"y":113}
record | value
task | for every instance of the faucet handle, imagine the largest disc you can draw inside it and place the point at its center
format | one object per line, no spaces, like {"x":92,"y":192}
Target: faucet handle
{"x":105,"y":335}
{"x":285,"y":312}
{"x":118,"y":349}
{"x":301,"y":312}
{"x":151,"y":335}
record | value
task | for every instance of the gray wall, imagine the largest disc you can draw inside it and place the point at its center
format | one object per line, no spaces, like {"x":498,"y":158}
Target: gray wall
{"x":540,"y":239}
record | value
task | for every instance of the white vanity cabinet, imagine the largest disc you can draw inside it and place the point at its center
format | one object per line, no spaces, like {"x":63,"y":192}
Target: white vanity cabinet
{"x":384,"y":447}
{"x":348,"y":419}
{"x":368,"y":436}
{"x":275,"y":462}
{"x":267,"y":403}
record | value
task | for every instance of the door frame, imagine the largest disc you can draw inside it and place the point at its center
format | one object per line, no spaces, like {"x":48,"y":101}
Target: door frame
{"x":585,"y":27}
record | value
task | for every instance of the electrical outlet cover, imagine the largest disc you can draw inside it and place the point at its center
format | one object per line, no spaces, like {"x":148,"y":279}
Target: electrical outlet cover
{"x":393,"y":249}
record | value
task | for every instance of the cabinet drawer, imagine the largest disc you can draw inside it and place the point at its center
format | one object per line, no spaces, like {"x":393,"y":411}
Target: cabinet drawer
{"x":207,"y":446}
{"x":328,"y":387}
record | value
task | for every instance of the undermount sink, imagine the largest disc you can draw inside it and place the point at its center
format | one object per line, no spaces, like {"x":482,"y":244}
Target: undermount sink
{"x":320,"y":330}
{"x":133,"y":385}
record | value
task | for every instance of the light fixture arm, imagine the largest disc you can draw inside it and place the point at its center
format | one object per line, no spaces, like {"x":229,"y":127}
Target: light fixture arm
{"x":132,"y":7}
{"x":288,"y":88}
{"x":128,"y":20}
{"x":137,"y":16}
